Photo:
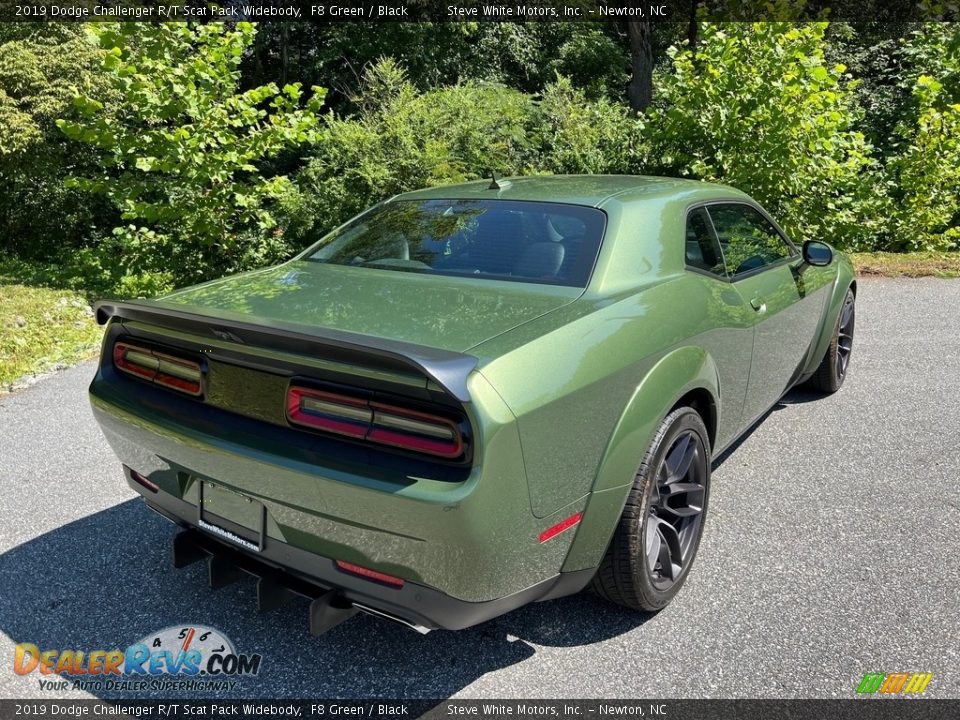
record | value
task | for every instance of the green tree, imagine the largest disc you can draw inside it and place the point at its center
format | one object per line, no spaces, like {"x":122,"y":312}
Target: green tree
{"x":580,"y":136}
{"x":522,"y":56}
{"x":923,"y":173}
{"x":41,"y":68}
{"x":181,"y":156}
{"x":876,"y":55}
{"x":402,"y":139}
{"x":760,"y":108}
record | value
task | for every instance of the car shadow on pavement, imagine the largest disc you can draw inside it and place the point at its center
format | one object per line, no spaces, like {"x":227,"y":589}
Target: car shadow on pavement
{"x":794,"y":397}
{"x":105,"y":581}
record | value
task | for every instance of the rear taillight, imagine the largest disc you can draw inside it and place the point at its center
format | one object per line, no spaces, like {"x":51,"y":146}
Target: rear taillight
{"x":376,"y":422}
{"x":160,"y":368}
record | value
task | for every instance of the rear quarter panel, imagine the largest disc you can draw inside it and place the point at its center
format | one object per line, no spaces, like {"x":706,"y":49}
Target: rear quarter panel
{"x":589,"y":394}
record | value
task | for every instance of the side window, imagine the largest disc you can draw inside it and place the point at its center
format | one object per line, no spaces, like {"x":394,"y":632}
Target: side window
{"x":701,"y":249}
{"x":747,"y":238}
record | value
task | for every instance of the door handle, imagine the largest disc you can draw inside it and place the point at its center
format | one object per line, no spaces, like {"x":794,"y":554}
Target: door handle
{"x":758,"y":305}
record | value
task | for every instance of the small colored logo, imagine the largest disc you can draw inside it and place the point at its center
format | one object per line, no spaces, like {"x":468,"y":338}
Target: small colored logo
{"x":898,"y":683}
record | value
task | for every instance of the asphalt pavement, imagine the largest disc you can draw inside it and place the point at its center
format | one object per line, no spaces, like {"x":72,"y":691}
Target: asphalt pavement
{"x":831,"y":550}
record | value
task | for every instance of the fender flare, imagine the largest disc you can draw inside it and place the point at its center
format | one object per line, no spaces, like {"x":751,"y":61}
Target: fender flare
{"x":673,"y":376}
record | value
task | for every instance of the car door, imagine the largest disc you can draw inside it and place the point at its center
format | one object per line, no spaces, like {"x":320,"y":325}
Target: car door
{"x":762,"y":265}
{"x":729,"y":337}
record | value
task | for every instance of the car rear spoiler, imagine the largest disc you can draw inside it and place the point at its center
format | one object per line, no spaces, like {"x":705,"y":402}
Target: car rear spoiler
{"x":447,"y":369}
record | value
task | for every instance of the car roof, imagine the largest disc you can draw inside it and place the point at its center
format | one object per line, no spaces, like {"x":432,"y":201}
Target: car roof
{"x":589,"y":190}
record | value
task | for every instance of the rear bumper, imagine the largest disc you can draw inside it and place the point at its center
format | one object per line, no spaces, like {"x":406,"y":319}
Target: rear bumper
{"x":467,"y":551}
{"x":416,"y":605}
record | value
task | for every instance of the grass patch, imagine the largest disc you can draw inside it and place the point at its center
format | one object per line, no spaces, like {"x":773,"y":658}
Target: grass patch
{"x":42,"y":329}
{"x":913,"y":264}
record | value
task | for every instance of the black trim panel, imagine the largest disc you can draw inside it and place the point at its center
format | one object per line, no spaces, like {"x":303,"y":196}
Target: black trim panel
{"x":414,"y":603}
{"x":449,"y":369}
{"x":376,"y":462}
{"x":732,"y":279}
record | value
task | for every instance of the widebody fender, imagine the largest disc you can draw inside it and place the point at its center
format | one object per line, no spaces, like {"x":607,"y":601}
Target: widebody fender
{"x":675,"y":375}
{"x":845,"y":278}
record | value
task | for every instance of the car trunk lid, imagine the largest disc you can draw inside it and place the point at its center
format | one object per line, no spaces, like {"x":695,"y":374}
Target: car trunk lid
{"x":448,"y":313}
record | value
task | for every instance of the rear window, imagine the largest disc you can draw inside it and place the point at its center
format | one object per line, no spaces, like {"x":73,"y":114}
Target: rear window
{"x":538,"y":242}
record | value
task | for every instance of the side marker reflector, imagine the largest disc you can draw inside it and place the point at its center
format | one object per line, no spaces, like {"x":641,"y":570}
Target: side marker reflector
{"x":369,"y":574}
{"x":560,"y":527}
{"x":144,"y":481}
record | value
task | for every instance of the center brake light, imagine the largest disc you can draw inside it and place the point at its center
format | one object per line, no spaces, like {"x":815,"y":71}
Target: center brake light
{"x":159,"y":368}
{"x":375,"y":422}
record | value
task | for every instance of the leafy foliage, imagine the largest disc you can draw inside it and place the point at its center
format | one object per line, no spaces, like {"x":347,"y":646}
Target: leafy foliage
{"x":523,"y":56}
{"x":924,"y":175}
{"x":402,"y":139}
{"x":580,"y":136}
{"x":759,"y":108}
{"x":180,"y":139}
{"x":181,"y":152}
{"x":40,"y":68}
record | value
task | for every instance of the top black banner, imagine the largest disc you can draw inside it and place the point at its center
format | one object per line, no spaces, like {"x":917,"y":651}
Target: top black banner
{"x":477,"y":10}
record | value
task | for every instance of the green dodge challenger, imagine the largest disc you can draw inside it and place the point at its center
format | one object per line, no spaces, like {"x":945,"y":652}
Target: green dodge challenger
{"x":472,"y":397}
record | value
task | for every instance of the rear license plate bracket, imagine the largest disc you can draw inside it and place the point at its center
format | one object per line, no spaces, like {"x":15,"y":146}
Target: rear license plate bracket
{"x":231,"y":516}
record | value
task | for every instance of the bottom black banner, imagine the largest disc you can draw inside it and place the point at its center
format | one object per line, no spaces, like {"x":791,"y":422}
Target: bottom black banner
{"x":886,"y":709}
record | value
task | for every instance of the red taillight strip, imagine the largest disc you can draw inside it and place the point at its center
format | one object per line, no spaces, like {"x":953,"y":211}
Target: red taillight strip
{"x":375,"y":422}
{"x":135,"y":361}
{"x":412,"y":442}
{"x":369,"y":574}
{"x":160,"y":368}
{"x":318,"y":409}
{"x":555,"y":530}
{"x":404,"y":428}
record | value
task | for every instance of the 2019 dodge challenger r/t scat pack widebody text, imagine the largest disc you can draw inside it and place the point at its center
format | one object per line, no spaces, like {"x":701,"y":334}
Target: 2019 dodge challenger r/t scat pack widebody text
{"x":472,"y":397}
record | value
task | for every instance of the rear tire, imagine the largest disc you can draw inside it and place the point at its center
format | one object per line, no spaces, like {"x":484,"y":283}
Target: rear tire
{"x":656,"y":540}
{"x":836,"y":362}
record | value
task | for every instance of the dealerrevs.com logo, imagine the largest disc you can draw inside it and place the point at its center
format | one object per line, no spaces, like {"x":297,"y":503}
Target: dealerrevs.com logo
{"x":180,"y":657}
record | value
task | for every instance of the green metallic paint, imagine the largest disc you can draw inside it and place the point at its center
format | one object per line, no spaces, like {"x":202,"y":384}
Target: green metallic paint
{"x":431,"y":532}
{"x":445,"y":312}
{"x":591,"y":190}
{"x":843,"y":278}
{"x":568,"y":389}
{"x":595,"y":368}
{"x":784,"y":325}
{"x":674,"y":375}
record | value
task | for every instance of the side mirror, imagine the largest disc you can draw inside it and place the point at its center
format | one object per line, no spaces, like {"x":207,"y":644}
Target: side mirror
{"x":817,"y":254}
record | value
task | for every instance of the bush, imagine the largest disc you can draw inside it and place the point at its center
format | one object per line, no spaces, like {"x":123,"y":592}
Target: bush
{"x":924,"y":175}
{"x":402,"y":139}
{"x":759,"y":108}
{"x":181,"y":155}
{"x":583,"y":136}
{"x":40,"y":66}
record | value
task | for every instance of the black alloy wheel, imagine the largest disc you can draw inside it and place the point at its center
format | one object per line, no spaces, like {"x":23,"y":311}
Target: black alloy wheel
{"x":656,"y":539}
{"x":671,"y":526}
